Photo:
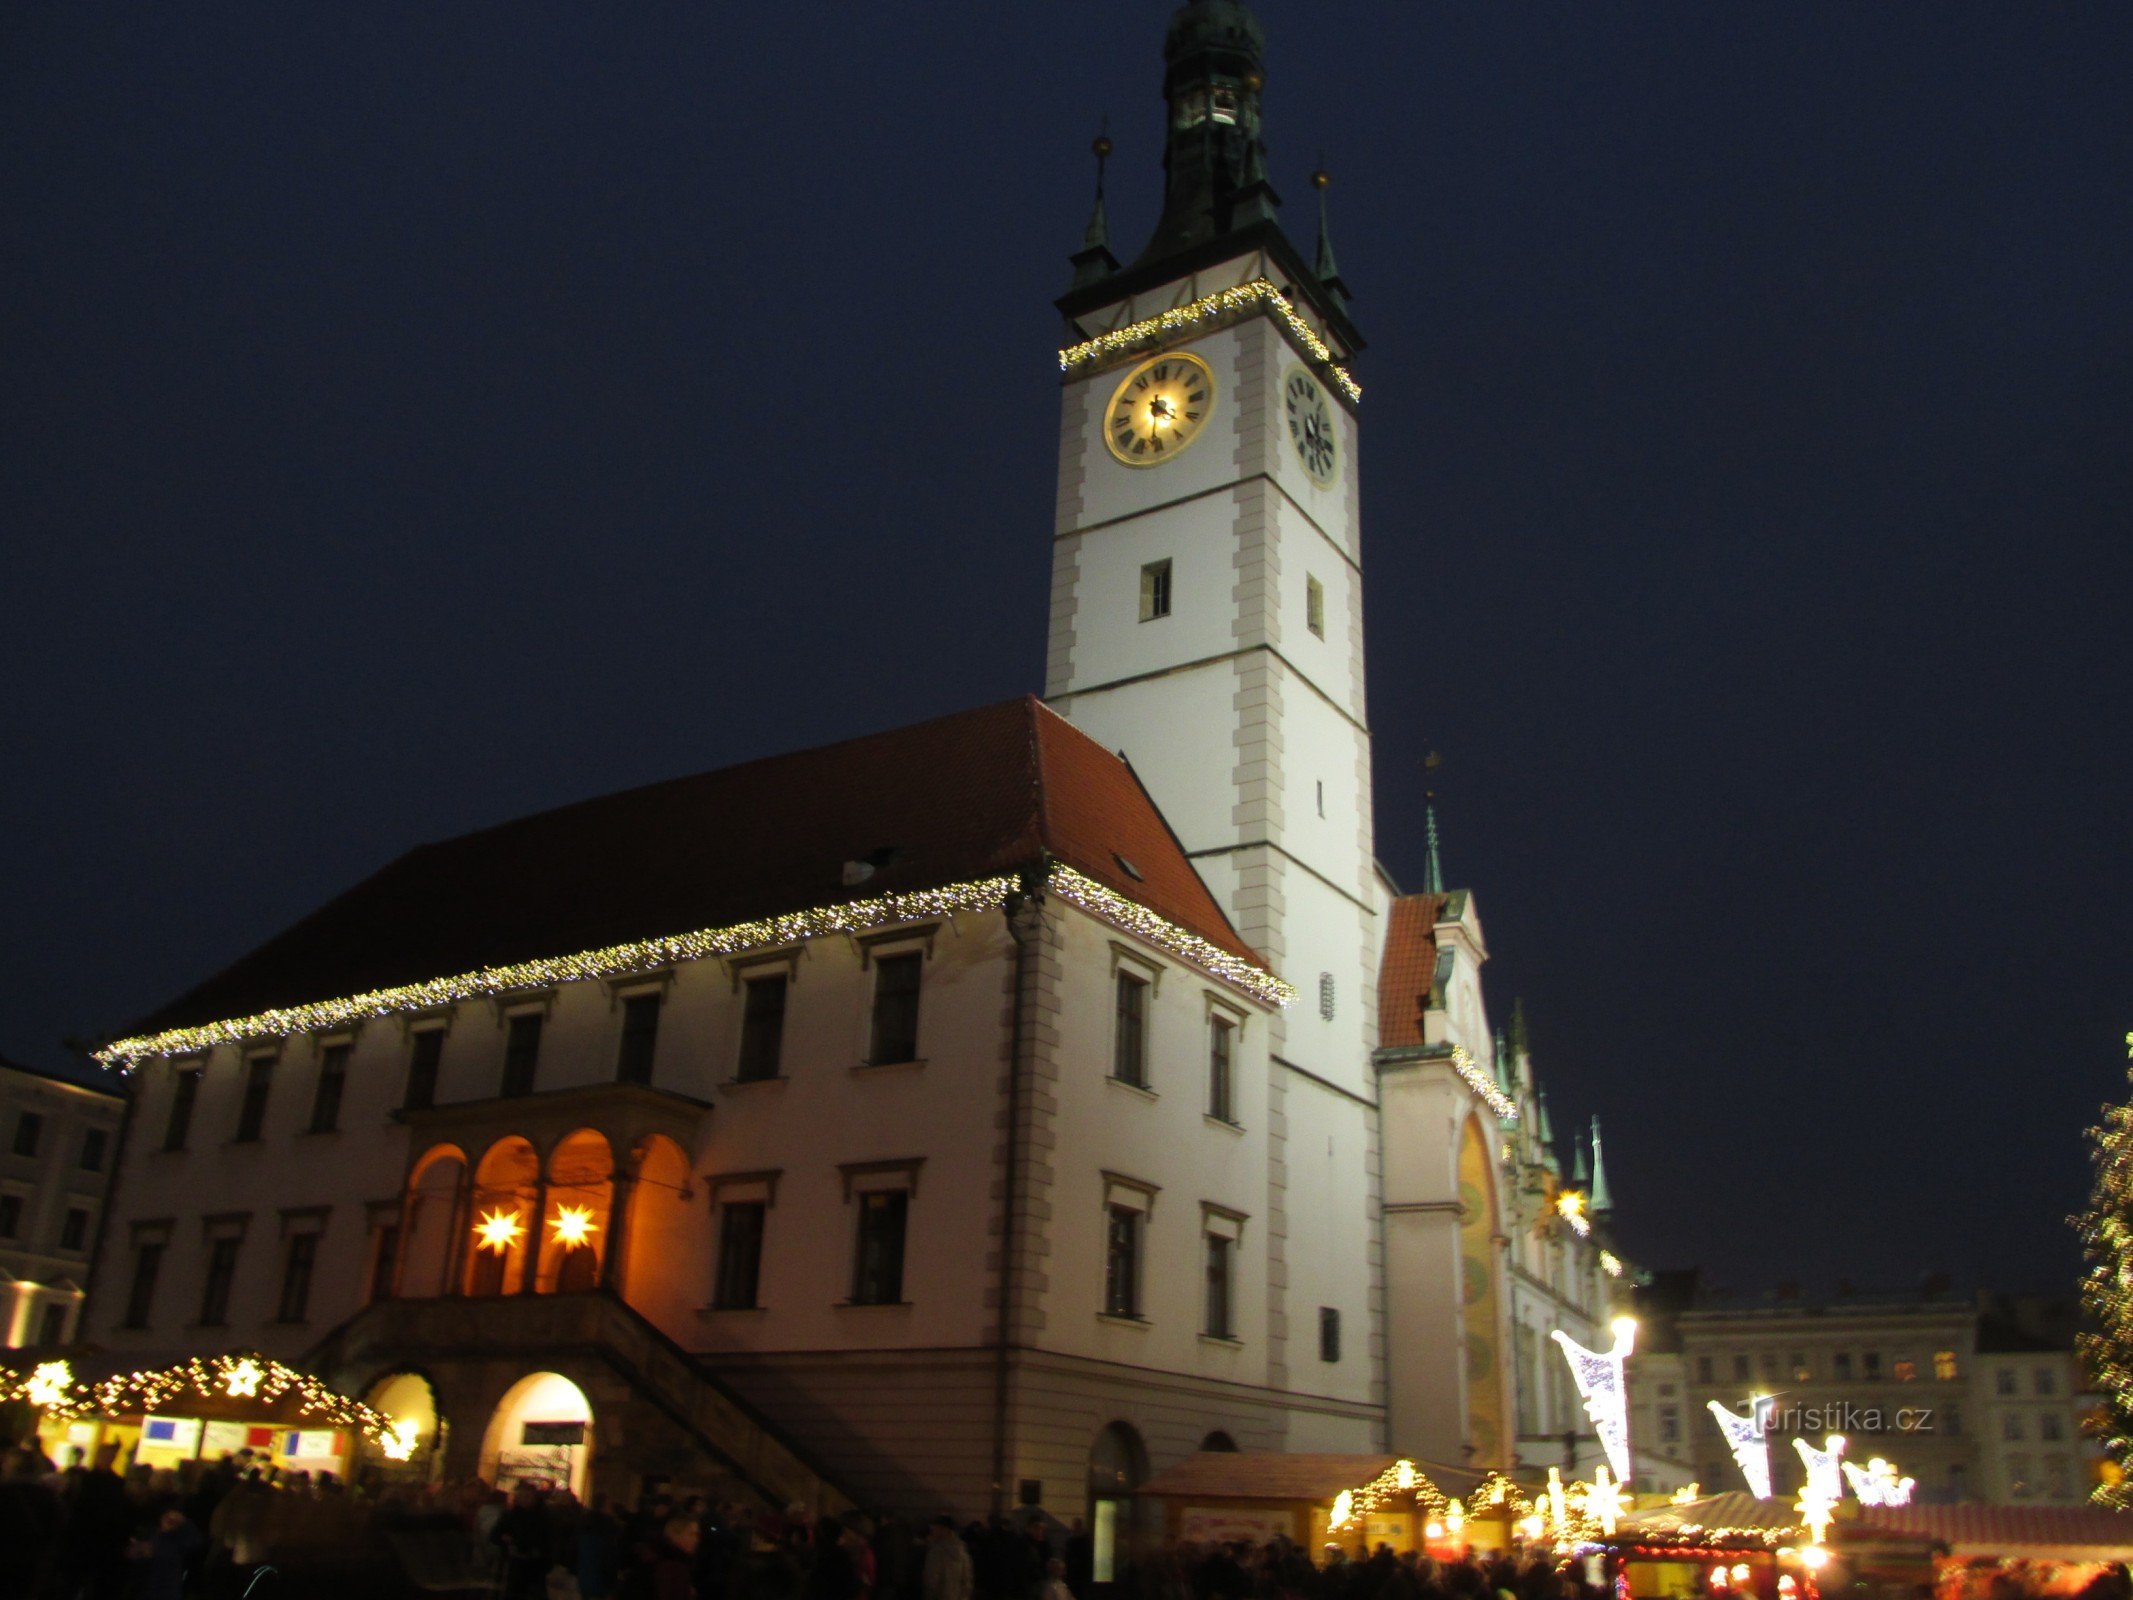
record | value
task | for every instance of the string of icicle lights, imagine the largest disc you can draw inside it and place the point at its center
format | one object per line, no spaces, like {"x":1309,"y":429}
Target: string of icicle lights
{"x":1205,"y":312}
{"x":1483,"y":1085}
{"x":652,"y":955}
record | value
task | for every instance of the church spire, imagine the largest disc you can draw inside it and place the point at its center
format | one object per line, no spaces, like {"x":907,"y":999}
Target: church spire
{"x":1432,"y":864}
{"x":1328,"y":270}
{"x":1214,"y":161}
{"x":1602,"y":1201}
{"x":1093,"y":262}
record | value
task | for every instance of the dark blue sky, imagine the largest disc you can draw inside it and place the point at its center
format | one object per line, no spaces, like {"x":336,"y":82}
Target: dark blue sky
{"x":416,"y":415}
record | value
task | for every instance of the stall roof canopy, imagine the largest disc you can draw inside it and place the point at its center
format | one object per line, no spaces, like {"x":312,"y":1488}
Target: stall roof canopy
{"x":2070,"y":1532}
{"x":1241,"y":1475}
{"x":1715,"y":1513}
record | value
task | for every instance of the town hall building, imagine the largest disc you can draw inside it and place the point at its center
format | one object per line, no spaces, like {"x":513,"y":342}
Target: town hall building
{"x":989,"y":1111}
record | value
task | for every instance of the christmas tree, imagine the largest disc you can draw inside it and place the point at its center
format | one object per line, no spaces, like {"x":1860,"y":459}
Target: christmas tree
{"x":2106,"y":1349}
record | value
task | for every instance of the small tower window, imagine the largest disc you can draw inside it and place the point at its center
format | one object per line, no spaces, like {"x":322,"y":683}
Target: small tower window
{"x":1155,"y":590}
{"x":1225,"y":104}
{"x":1315,"y":606}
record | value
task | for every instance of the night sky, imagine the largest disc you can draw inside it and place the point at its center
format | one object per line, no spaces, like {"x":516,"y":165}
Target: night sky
{"x":416,"y":415}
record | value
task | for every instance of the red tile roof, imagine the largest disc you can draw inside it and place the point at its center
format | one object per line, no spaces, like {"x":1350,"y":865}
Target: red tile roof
{"x":1409,"y":965}
{"x":965,"y":796}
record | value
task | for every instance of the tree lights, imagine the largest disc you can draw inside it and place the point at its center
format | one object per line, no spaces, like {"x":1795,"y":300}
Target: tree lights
{"x":2106,"y":1350}
{"x":654,"y":955}
{"x":1600,"y":1383}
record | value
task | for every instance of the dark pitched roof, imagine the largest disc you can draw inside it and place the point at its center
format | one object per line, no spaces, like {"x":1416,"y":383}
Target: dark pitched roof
{"x":1408,"y":969}
{"x":101,"y":1080}
{"x":965,"y":796}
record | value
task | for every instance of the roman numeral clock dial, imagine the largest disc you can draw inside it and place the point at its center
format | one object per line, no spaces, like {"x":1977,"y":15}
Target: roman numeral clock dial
{"x":1311,"y":426}
{"x":1158,"y":409}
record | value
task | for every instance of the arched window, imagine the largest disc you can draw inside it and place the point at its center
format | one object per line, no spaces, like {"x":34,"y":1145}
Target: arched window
{"x":1220,"y":1442}
{"x":1118,"y":1465}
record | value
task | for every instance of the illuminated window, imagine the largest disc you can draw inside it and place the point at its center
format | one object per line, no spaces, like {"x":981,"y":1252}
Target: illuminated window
{"x":1944,"y":1366}
{"x":425,"y":1053}
{"x":252,"y":1108}
{"x":221,"y":1276}
{"x":93,"y":1145}
{"x":1221,"y":1043}
{"x":878,"y":1263}
{"x":74,"y":1231}
{"x":762,"y":1028}
{"x":1906,"y":1370}
{"x":1801,"y":1371}
{"x":141,"y":1292}
{"x":29,"y":1131}
{"x":1219,"y":1253}
{"x":1155,"y":591}
{"x":896,"y":1008}
{"x":1122,"y":1262}
{"x":522,"y":1054}
{"x":740,"y":1254}
{"x":184,"y":1092}
{"x":1129,"y":1046}
{"x":332,"y":1079}
{"x":640,"y":1038}
{"x":1225,"y":106}
{"x":1315,"y":606}
{"x":299,"y":1256}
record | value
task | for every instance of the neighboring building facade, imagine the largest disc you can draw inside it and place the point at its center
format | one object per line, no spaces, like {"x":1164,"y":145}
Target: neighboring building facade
{"x":59,"y":1133}
{"x":1962,"y":1396}
{"x":952,"y":1141}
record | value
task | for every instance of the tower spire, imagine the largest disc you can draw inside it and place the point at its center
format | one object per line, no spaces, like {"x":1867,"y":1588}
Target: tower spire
{"x":1602,"y":1201}
{"x":1214,"y":161}
{"x":1432,"y":862}
{"x":1094,"y":262}
{"x":1328,"y":270}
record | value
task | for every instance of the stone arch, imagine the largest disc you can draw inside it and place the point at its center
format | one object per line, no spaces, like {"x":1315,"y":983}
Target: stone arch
{"x":1118,"y":1466}
{"x":409,"y":1397}
{"x":1481,"y":1296}
{"x":431,"y":1222}
{"x":577,"y":1231}
{"x":660,"y":1224}
{"x":504,"y":1214}
{"x":540,"y":1430}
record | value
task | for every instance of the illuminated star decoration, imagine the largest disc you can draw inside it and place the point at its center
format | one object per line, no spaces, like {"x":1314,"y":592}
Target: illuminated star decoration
{"x":1599,"y":1381}
{"x":573,"y":1225}
{"x":241,"y":1382}
{"x":1570,"y":1206}
{"x":1879,"y":1484}
{"x":1751,"y":1448}
{"x":49,"y":1384}
{"x":398,"y":1442}
{"x":1605,"y":1502}
{"x":499,"y":1230}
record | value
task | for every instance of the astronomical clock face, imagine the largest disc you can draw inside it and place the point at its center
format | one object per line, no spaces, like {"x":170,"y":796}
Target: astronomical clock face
{"x":1311,"y":426}
{"x":1158,"y":409}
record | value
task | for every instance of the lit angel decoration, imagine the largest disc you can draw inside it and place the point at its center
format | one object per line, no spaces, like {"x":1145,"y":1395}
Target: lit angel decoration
{"x":1824,"y":1479}
{"x":1878,"y":1483}
{"x":1606,"y":1395}
{"x":1750,"y":1447}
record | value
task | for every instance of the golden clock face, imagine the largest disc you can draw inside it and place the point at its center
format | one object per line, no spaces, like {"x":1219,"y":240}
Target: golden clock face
{"x":1310,"y":416}
{"x":1159,"y":409}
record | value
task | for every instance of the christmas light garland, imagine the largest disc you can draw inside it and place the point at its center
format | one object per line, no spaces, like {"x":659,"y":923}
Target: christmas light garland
{"x":1400,"y":1479}
{"x":1483,"y":1085}
{"x":653,"y":955}
{"x":241,"y":1375}
{"x":1205,"y":312}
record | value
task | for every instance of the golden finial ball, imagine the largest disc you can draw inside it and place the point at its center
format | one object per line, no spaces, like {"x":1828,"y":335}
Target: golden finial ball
{"x":1321,"y":178}
{"x":1254,"y":82}
{"x":1101,"y":146}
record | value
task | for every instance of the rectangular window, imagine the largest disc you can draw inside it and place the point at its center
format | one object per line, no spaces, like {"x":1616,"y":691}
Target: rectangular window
{"x":1801,"y":1371}
{"x":2018,"y":1475}
{"x":74,"y":1231}
{"x":300,"y":1257}
{"x":184,"y":1091}
{"x":2003,"y":1381}
{"x":94,"y":1143}
{"x":141,"y":1292}
{"x":522,"y":1054}
{"x":2047,"y":1381}
{"x":640,"y":1038}
{"x":1703,"y":1369}
{"x":1329,"y":1333}
{"x":740,"y":1254}
{"x":1122,"y":1263}
{"x":1670,"y":1424}
{"x":1870,"y":1364}
{"x":878,"y":1264}
{"x":1155,"y":590}
{"x":332,"y":1079}
{"x":1315,"y":606}
{"x":2011,"y":1425}
{"x":1221,"y":1037}
{"x":1770,"y":1365}
{"x":2048,"y":1427}
{"x":763,"y":1028}
{"x":252,"y":1109}
{"x":1842,"y":1365}
{"x":895,"y":1035}
{"x":1129,"y":1050}
{"x":425,"y":1054}
{"x":1951,"y":1421}
{"x":1741,"y":1370}
{"x":221,"y":1277}
{"x":382,"y":1261}
{"x":29,"y":1133}
{"x":52,"y":1324}
{"x":1219,"y":1251}
{"x":1906,"y":1370}
{"x":10,"y":1216}
{"x":1944,"y":1366}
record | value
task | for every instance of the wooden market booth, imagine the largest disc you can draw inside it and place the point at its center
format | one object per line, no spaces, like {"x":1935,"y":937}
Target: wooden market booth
{"x":1728,"y":1546}
{"x":1961,"y":1550}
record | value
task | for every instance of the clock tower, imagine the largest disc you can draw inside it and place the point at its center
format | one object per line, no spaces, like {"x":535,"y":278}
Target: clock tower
{"x":1207,"y":622}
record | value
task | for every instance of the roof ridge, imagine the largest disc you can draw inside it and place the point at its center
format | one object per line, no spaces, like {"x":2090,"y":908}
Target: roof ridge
{"x":1038,"y":775}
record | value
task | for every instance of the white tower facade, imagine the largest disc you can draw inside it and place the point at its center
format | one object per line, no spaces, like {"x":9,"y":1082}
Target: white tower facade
{"x":1207,"y":622}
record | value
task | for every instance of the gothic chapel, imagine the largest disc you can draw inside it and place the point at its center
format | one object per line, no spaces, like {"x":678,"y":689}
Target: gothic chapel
{"x":991,"y":1111}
